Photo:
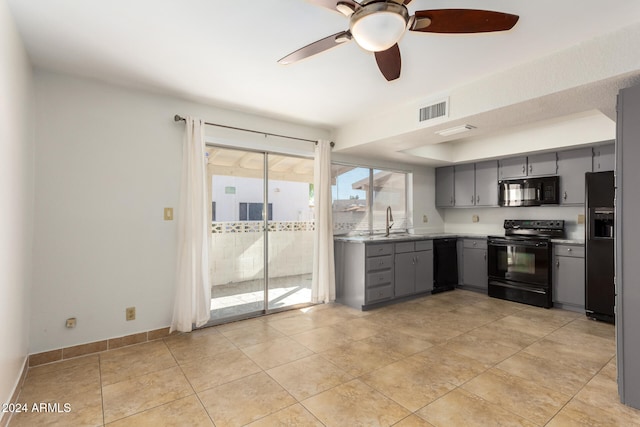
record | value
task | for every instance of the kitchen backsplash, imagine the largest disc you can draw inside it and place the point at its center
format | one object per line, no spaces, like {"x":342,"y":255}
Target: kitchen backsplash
{"x":491,"y":220}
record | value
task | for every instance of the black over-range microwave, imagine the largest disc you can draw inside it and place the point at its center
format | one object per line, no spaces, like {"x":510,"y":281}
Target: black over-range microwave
{"x":529,"y":191}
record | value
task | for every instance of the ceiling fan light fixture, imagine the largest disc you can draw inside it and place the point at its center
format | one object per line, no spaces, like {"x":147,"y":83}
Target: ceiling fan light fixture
{"x":378,"y":26}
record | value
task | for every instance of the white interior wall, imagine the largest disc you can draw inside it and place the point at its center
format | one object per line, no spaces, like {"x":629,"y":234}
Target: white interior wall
{"x":16,"y":199}
{"x":565,"y":132}
{"x":108,"y":161}
{"x":560,"y":133}
{"x":492,"y":219}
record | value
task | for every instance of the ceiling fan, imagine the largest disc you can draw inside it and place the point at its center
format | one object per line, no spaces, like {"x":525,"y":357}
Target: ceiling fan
{"x":378,"y":25}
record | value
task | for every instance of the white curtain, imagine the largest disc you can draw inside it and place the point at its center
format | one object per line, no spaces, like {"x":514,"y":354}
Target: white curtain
{"x":193,"y":289}
{"x":323,"y":285}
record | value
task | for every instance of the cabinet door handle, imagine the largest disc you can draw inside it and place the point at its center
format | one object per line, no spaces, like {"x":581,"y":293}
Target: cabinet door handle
{"x":557,"y":263}
{"x":381,"y":262}
{"x":475,"y":243}
{"x":568,"y":249}
{"x":452,"y":200}
{"x":564,"y":196}
{"x":477,"y":199}
{"x":530,"y":168}
{"x":524,"y":168}
{"x":485,"y":256}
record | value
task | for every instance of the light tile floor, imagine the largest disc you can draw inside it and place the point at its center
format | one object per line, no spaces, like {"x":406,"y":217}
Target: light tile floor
{"x":453,"y":359}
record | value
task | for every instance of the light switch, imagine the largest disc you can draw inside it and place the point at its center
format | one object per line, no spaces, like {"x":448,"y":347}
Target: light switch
{"x":168,"y":214}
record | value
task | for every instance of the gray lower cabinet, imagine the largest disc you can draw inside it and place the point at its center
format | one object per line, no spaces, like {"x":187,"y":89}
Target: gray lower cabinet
{"x":379,"y":272}
{"x":413,"y":267}
{"x":366,"y":271}
{"x":568,"y":276}
{"x":572,"y":165}
{"x":474,"y":262}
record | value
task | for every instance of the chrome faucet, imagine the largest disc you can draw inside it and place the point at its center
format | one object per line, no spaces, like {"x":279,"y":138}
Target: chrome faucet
{"x":389,"y":220}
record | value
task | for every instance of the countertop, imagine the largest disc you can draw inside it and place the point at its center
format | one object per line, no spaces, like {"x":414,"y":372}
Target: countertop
{"x":400,"y":237}
{"x":405,"y":237}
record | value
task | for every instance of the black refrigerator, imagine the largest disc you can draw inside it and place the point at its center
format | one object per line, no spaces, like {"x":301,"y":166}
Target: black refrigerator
{"x":599,"y":261}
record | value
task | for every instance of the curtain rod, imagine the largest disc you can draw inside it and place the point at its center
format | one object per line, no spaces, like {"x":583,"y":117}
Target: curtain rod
{"x":179,"y":118}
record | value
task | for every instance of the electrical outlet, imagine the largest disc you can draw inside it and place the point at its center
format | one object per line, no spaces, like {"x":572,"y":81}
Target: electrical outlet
{"x":581,"y":219}
{"x":475,"y":218}
{"x":71,"y":322}
{"x":425,"y":218}
{"x":131,"y":313}
{"x":168,"y":214}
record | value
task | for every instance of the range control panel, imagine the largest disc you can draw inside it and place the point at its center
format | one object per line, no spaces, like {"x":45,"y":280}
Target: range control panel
{"x":534,"y":224}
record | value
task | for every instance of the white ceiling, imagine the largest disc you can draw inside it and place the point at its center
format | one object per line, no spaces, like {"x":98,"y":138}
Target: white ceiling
{"x":225,"y":52}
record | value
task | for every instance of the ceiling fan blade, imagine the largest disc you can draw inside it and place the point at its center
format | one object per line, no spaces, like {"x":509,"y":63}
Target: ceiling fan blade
{"x":317,"y":47}
{"x":333,"y":4}
{"x":389,"y":62}
{"x":461,"y":21}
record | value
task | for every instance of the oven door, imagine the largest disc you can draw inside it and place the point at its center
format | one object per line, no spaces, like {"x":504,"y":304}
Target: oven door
{"x":524,"y":261}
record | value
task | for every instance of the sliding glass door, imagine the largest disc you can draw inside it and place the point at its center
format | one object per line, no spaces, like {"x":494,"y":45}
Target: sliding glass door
{"x":290,"y":231}
{"x":236,"y":259}
{"x":262,"y":232}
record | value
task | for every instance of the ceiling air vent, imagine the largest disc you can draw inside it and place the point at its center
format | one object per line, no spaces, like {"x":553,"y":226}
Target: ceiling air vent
{"x":434,"y":111}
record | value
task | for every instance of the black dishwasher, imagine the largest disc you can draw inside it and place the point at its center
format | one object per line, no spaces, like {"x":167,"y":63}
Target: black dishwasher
{"x":445,"y":265}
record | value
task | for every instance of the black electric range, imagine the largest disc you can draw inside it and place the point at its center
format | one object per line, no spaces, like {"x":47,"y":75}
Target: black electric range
{"x":519,"y":263}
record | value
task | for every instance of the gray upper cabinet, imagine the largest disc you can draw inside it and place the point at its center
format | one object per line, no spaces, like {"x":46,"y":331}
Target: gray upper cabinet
{"x":464,"y":189}
{"x":486,"y":183}
{"x":604,"y":157}
{"x":572,"y":165}
{"x":512,"y":167}
{"x":476,"y":184}
{"x":444,"y":187}
{"x":535,"y":165}
{"x":542,"y":164}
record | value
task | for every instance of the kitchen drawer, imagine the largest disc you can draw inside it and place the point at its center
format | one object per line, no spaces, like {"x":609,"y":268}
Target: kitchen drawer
{"x":379,"y":293}
{"x":405,"y":247}
{"x":475,"y":243}
{"x":379,"y":278}
{"x":576,"y":251}
{"x":424,"y":245}
{"x":379,"y":263}
{"x":380,"y":249}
